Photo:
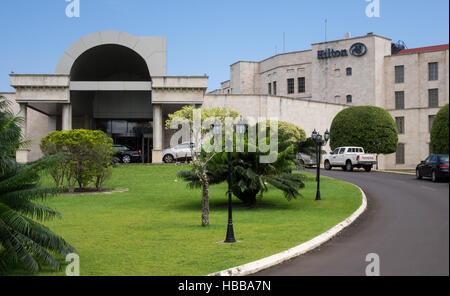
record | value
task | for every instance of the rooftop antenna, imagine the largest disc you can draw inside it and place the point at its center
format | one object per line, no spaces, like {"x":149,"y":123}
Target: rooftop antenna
{"x":326,"y":24}
{"x":284,"y":42}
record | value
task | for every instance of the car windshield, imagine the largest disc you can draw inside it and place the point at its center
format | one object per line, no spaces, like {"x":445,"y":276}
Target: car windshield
{"x":443,"y":158}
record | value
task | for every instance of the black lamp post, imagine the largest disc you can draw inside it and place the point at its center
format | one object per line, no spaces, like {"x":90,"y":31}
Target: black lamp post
{"x":240,"y":130}
{"x":317,"y":138}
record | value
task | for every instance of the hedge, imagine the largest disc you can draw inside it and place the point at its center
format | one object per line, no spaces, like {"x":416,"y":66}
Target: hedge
{"x":370,"y":127}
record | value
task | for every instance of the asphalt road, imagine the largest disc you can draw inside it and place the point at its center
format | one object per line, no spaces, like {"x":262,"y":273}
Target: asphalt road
{"x":406,"y":224}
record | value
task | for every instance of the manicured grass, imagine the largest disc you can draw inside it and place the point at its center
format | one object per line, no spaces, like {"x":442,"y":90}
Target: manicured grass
{"x":155,"y":228}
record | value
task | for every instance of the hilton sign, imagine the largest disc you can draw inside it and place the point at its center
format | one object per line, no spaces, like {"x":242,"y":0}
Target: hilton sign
{"x":357,"y":49}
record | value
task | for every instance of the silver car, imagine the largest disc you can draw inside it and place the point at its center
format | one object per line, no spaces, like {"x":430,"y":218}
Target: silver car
{"x":306,"y":159}
{"x":181,"y":151}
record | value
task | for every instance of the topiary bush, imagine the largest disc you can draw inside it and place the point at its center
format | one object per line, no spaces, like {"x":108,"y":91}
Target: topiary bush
{"x":439,"y":132}
{"x":370,"y":127}
{"x":88,"y":157}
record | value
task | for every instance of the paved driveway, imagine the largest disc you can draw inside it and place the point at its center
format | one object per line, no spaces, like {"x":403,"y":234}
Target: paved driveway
{"x":406,"y":224}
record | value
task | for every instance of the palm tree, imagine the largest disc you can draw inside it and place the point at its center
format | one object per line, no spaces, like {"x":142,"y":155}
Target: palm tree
{"x":250,"y":177}
{"x":22,"y":239}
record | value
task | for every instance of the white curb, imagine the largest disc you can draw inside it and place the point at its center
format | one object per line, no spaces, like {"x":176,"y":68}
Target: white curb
{"x":276,"y":259}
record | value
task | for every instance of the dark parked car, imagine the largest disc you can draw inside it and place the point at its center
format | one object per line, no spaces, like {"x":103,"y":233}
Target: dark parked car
{"x":126,"y":154}
{"x":434,"y":167}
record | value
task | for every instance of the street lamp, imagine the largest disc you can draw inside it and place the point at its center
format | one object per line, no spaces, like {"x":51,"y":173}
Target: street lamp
{"x":319,"y":141}
{"x":240,"y":130}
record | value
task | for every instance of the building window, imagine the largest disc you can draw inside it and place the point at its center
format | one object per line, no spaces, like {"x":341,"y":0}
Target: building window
{"x":349,"y":99}
{"x":399,"y":74}
{"x":400,"y":154}
{"x":433,"y":98}
{"x":290,"y":86}
{"x":269,"y":85}
{"x":400,"y":121}
{"x":399,"y":100}
{"x":433,"y":71}
{"x":301,"y":85}
{"x":430,"y":122}
{"x":348,"y":71}
{"x":274,"y":89}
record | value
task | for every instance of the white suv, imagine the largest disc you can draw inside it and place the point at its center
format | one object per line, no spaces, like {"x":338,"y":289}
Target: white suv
{"x":181,"y":151}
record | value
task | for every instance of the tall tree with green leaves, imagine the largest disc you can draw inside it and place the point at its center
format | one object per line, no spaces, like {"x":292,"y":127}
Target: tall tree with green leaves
{"x":23,"y":240}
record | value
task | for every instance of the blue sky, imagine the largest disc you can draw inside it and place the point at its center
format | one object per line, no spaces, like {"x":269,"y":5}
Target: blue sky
{"x":205,"y":37}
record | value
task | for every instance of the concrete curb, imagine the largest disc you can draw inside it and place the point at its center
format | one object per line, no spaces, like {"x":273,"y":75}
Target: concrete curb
{"x":276,"y":259}
{"x":399,"y":173}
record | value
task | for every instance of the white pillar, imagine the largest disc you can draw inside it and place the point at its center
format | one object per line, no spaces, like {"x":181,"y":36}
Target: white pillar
{"x":66,"y":117}
{"x":157,"y":134}
{"x":22,"y":154}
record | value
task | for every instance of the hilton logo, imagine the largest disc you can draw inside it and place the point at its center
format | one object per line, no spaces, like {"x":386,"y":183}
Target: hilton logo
{"x":357,"y":50}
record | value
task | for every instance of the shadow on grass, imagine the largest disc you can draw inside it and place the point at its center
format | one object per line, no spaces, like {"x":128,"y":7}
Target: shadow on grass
{"x":222,"y":205}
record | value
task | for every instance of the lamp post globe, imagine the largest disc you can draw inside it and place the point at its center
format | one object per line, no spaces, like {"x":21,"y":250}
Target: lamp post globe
{"x":327,"y":136}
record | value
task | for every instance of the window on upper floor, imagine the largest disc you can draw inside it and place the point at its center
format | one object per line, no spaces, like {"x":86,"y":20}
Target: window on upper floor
{"x":433,"y":71}
{"x":269,"y":88}
{"x":399,"y":74}
{"x":290,"y":86}
{"x":348,"y":71}
{"x":399,"y":100}
{"x":349,"y":99}
{"x":301,"y":85}
{"x":433,"y":98}
{"x":274,"y":88}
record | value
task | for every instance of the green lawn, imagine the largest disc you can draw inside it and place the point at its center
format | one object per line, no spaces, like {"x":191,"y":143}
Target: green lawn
{"x":155,"y":228}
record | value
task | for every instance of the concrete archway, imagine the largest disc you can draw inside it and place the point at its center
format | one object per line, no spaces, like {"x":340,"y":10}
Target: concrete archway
{"x":151,"y":49}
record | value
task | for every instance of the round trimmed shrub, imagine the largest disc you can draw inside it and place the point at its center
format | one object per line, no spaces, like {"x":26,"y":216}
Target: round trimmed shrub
{"x":439,"y":132}
{"x":370,"y":127}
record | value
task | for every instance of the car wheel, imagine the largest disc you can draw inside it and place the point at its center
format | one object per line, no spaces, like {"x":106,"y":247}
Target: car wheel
{"x":168,"y":158}
{"x":418,"y":175}
{"x":126,"y":159}
{"x":349,"y":166}
{"x":327,"y":165}
{"x":344,"y":168}
{"x":433,"y":176}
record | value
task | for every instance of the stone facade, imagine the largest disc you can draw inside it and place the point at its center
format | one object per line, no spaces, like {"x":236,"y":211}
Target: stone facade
{"x":331,"y":74}
{"x":307,"y":88}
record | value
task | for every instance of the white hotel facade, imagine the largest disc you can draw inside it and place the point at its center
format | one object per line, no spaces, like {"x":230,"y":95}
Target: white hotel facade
{"x":117,"y":82}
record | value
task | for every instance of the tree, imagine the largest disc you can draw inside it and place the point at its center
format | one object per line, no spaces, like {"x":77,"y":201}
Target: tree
{"x":88,"y":157}
{"x":22,"y":239}
{"x":372,"y":128}
{"x":201,"y":158}
{"x":439,"y":132}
